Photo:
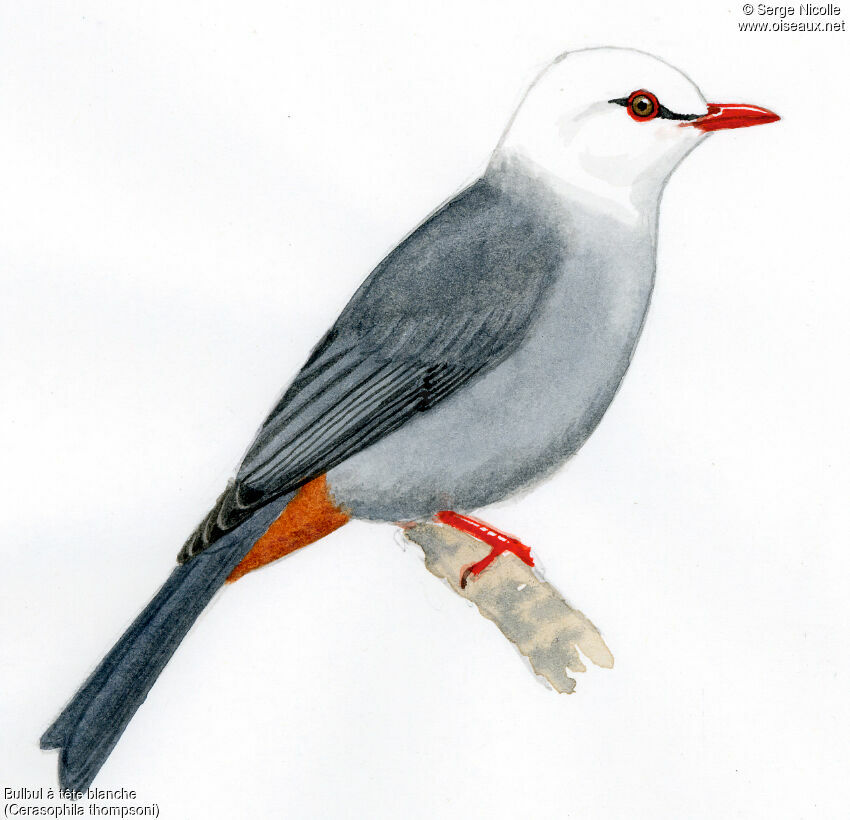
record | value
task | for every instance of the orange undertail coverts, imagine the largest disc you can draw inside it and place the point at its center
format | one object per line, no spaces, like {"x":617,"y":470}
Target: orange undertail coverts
{"x":310,"y":515}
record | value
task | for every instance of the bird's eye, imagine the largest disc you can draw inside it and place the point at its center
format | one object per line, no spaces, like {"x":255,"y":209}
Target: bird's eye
{"x":642,"y":105}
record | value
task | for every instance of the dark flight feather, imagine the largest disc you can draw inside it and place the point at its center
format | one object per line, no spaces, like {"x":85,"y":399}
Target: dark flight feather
{"x":449,"y":303}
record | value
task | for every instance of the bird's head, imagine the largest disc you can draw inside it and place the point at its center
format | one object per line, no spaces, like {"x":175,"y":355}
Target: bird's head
{"x":609,"y":125}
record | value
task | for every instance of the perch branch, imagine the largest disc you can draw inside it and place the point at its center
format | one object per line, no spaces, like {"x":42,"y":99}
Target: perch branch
{"x":530,"y":612}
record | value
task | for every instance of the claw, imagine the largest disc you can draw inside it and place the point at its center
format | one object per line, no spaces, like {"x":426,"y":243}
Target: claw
{"x":499,"y":542}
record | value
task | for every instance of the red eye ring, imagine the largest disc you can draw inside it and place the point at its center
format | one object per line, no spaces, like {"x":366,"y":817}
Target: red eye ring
{"x":643,"y":101}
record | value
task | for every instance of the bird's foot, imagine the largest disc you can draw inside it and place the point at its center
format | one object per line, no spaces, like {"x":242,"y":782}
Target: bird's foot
{"x":499,"y":542}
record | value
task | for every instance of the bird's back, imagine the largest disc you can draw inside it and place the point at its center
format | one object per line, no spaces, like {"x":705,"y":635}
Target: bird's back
{"x":450,"y":302}
{"x":523,"y":417}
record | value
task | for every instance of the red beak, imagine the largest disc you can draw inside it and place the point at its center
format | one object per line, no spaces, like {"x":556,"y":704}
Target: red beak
{"x":721,"y":115}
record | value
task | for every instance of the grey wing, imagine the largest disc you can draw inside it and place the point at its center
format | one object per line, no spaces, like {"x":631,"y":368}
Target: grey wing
{"x":450,"y":302}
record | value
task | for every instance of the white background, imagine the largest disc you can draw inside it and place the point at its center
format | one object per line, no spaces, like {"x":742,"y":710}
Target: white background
{"x":189,"y":193}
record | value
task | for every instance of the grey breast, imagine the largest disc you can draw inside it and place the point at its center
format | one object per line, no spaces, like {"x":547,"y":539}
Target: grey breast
{"x":476,"y":356}
{"x":518,"y":421}
{"x":447,"y":305}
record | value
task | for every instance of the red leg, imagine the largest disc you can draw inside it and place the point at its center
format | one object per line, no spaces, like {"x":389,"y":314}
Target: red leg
{"x":498,"y":542}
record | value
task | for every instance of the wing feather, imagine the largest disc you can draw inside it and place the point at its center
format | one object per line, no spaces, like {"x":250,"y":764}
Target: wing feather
{"x":449,"y":303}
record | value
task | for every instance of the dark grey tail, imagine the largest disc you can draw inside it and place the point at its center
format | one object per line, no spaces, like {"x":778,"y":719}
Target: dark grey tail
{"x":90,"y":725}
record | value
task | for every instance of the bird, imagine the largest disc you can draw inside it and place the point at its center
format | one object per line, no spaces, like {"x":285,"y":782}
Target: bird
{"x":474,"y":360}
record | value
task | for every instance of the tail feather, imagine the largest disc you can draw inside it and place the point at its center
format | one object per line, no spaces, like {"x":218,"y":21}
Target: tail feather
{"x":90,"y":725}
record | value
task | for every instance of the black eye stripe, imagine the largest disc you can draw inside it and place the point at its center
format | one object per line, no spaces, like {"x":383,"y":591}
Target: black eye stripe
{"x":663,"y":112}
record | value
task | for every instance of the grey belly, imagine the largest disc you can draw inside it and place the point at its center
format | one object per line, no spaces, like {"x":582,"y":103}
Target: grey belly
{"x":513,"y":426}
